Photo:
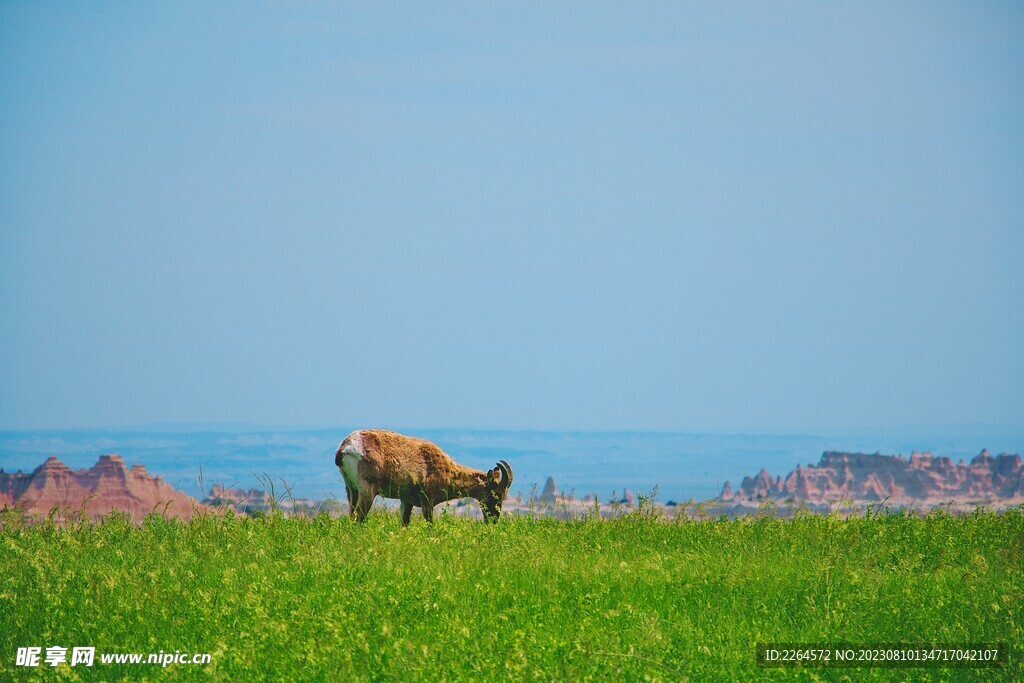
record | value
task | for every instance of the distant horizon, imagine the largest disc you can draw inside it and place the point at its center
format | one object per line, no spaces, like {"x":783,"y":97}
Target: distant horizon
{"x":679,"y":465}
{"x":245,"y":426}
{"x":239,"y":427}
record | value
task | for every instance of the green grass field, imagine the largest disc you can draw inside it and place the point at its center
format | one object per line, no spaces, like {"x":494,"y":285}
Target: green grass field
{"x":633,"y":598}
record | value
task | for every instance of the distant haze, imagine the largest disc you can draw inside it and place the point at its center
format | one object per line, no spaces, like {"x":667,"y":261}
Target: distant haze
{"x":568,"y":216}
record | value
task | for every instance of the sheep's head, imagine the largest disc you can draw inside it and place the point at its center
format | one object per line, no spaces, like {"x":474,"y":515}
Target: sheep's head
{"x":498,"y":482}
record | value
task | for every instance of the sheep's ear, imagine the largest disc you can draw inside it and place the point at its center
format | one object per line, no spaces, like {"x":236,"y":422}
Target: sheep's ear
{"x":494,"y":476}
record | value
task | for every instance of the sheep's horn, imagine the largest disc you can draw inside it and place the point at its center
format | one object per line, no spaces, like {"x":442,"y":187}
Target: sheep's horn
{"x":506,"y":473}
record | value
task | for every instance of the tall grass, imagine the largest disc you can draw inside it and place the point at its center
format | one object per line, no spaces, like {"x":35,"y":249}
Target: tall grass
{"x":632,"y":598}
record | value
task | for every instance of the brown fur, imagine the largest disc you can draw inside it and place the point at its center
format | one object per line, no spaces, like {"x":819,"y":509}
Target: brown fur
{"x":419,"y":473}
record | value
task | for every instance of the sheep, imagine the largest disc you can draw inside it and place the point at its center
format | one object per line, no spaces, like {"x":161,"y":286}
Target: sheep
{"x":415,"y":471}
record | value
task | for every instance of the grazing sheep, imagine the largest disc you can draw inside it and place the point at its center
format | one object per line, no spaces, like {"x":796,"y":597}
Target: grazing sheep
{"x":375,"y":462}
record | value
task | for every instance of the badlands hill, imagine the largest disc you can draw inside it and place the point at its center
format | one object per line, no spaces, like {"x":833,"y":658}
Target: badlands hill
{"x":922,"y":481}
{"x":108,"y":485}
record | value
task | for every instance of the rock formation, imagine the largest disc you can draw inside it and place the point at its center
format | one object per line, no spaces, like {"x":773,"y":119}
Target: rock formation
{"x":550,"y":492}
{"x":250,"y":501}
{"x":108,"y":485}
{"x":921,"y":480}
{"x":256,"y":498}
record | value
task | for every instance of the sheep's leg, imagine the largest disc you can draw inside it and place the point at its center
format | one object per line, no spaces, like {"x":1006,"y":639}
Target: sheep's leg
{"x":366,"y":496}
{"x":348,"y":464}
{"x":428,"y":507}
{"x":406,"y":511}
{"x":353,"y":496}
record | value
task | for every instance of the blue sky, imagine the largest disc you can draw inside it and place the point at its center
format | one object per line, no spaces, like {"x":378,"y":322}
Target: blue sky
{"x":731,"y":216}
